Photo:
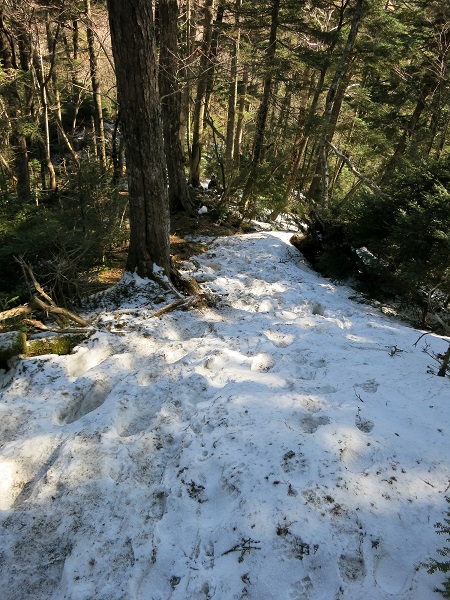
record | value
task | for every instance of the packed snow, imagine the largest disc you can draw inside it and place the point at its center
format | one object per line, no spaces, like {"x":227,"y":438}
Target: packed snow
{"x":286,"y":443}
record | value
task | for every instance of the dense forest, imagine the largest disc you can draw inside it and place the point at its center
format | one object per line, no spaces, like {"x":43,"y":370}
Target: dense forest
{"x":334,"y":111}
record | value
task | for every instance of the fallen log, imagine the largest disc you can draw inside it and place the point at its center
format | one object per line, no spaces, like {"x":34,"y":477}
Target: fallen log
{"x":55,"y":344}
{"x":15,"y":343}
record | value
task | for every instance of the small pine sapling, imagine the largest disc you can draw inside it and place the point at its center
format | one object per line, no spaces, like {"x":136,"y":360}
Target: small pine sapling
{"x":443,"y":566}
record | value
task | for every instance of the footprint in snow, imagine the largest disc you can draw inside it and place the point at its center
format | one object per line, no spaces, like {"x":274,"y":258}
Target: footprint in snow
{"x":312,"y":404}
{"x":173,"y":354}
{"x":370,"y":386}
{"x":364,"y":425}
{"x":392,"y":575}
{"x":302,"y":589}
{"x":357,"y":460}
{"x":292,"y":461}
{"x":279,"y":339}
{"x":86,"y":401}
{"x":311,"y":423}
{"x":352,"y":567}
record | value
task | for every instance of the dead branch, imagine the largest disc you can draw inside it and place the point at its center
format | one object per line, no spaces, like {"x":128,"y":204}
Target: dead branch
{"x":12,"y":313}
{"x":57,"y":310}
{"x":40,"y":300}
{"x":423,"y":335}
{"x":180,"y":303}
{"x":28,"y":274}
{"x":355,"y":172}
{"x":185,"y":284}
{"x":168,"y":285}
{"x":35,"y":324}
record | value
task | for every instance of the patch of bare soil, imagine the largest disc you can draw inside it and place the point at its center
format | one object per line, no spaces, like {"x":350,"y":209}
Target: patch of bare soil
{"x":181,"y":249}
{"x":183,"y":227}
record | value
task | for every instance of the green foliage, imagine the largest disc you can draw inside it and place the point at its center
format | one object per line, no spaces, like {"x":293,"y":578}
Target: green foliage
{"x":61,"y":241}
{"x":7,"y":301}
{"x":409,"y":230}
{"x":443,"y":566}
{"x":395,"y":246}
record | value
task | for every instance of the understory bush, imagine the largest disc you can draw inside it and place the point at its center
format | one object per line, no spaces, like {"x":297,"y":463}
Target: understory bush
{"x":395,"y":245}
{"x":443,"y":566}
{"x":61,"y":240}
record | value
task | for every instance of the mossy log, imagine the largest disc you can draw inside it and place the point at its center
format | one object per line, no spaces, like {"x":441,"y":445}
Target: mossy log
{"x":55,"y":344}
{"x":15,"y":343}
{"x":12,"y":343}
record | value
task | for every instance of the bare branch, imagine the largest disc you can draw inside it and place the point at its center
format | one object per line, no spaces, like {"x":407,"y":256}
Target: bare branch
{"x":355,"y":172}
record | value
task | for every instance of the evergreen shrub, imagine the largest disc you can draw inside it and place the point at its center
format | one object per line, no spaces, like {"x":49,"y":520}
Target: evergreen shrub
{"x":443,"y":566}
{"x":63,"y":240}
{"x":396,"y":245}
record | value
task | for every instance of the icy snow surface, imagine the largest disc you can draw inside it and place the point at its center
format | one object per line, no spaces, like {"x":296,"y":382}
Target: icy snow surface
{"x":271,"y":447}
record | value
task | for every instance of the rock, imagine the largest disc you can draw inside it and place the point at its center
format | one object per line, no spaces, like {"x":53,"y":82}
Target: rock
{"x":12,"y":343}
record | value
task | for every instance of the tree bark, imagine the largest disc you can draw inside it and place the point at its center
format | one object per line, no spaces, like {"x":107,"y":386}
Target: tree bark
{"x":134,"y":50}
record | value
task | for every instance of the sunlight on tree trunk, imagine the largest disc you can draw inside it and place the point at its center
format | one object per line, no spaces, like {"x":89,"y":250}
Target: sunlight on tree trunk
{"x":134,"y":50}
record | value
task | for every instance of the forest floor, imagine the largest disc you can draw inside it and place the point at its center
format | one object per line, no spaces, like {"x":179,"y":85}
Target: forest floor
{"x":286,"y":442}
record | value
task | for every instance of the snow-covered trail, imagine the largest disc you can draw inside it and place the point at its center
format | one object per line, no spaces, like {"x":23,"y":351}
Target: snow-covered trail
{"x":272,"y":447}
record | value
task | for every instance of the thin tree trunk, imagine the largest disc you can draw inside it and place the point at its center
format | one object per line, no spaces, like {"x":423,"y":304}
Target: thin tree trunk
{"x":96,"y":88}
{"x":216,"y":28}
{"x":402,"y":143}
{"x":333,"y":103}
{"x":189,"y":45}
{"x":6,"y":44}
{"x":301,"y":140}
{"x":200,"y":100}
{"x":263,"y":109}
{"x":17,"y":140}
{"x":242,"y":93}
{"x":171,"y":105}
{"x":41,"y":77}
{"x":233,"y":94}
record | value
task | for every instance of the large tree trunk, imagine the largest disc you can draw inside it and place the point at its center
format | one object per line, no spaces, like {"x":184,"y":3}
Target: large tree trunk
{"x":133,"y":45}
{"x":171,"y":106}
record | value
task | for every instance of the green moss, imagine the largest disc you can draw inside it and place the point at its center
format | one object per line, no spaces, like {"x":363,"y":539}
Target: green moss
{"x":58,"y":344}
{"x":12,"y":343}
